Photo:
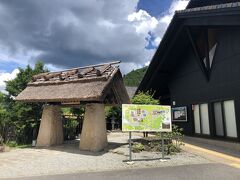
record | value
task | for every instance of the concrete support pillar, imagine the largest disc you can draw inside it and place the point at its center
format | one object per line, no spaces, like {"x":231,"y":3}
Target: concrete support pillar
{"x":94,"y":132}
{"x":51,"y":129}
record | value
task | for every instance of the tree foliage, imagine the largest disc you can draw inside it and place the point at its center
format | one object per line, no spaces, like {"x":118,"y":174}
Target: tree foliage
{"x":20,"y":118}
{"x":134,"y":77}
{"x":4,"y":118}
{"x":144,"y":98}
{"x":114,"y":112}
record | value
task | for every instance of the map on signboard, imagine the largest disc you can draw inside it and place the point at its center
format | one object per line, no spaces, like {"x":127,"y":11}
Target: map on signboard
{"x":154,"y":118}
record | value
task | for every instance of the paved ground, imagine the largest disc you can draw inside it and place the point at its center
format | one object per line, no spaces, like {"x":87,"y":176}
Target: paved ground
{"x":185,"y":172}
{"x":226,"y":147}
{"x":68,"y":158}
{"x":213,"y":151}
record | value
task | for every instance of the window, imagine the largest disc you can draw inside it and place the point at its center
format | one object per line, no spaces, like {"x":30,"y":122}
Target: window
{"x":204,"y":119}
{"x":230,"y":119}
{"x":218,"y":114}
{"x":211,"y":56}
{"x":206,"y":45}
{"x":225,"y":120}
{"x":201,"y":119}
{"x":197,"y":119}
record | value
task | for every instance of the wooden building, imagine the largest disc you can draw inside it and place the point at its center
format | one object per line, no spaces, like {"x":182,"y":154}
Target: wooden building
{"x":92,"y":86}
{"x":197,"y":65}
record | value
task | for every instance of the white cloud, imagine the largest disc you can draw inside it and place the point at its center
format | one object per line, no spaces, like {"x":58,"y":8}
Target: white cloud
{"x":156,"y":41}
{"x":21,"y":57}
{"x":142,"y":21}
{"x":6,"y":77}
{"x":165,"y":20}
{"x":145,"y":23}
{"x":71,"y":33}
{"x":147,"y":63}
{"x":178,"y":5}
{"x":127,"y":67}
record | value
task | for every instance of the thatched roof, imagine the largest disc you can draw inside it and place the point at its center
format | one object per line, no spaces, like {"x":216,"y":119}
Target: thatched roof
{"x":98,"y":83}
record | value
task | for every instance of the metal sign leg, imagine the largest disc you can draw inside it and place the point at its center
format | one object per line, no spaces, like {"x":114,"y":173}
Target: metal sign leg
{"x":130,"y":162}
{"x":162,"y":139}
{"x":130,"y":146}
{"x":162,"y":145}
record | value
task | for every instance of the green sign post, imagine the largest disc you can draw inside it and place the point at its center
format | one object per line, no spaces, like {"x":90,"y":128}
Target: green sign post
{"x":146,"y":118}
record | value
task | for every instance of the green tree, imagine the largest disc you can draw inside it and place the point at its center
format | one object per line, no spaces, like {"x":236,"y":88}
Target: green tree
{"x":144,"y":98}
{"x":114,"y":112}
{"x":5,"y":122}
{"x":134,"y":77}
{"x":23,"y":116}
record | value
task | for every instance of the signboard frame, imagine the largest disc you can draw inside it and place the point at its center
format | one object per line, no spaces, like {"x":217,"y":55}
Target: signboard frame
{"x":179,"y":108}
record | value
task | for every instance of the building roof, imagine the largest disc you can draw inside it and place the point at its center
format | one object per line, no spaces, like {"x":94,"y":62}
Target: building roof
{"x":201,"y":3}
{"x":97,"y":83}
{"x":198,"y":14}
{"x":210,"y":7}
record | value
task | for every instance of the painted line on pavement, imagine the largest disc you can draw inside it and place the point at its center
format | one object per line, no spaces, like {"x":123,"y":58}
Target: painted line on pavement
{"x":235,"y":161}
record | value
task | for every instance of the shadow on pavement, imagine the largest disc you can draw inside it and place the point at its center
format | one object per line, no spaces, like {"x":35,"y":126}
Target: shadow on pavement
{"x":72,"y":146}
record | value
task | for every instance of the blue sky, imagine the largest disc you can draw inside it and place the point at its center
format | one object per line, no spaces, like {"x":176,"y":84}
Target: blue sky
{"x":154,"y":7}
{"x":70,"y":33}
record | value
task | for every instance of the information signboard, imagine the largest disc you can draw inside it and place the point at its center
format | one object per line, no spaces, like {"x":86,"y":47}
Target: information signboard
{"x":150,"y":118}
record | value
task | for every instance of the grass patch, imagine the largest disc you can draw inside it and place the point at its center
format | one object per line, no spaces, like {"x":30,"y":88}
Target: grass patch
{"x":13,"y":144}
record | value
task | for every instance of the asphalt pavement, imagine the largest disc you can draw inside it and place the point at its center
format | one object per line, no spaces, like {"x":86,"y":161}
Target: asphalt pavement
{"x":210,"y":171}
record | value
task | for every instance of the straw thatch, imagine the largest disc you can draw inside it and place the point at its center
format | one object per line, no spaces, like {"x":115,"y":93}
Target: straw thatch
{"x":100,"y":83}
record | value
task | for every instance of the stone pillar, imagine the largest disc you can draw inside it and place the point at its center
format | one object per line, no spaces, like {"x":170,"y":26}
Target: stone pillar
{"x":94,"y":132}
{"x":51,"y":129}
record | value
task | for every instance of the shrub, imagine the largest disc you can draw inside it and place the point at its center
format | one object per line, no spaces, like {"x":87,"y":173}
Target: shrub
{"x":173,"y":140}
{"x":70,"y":129}
{"x":12,"y":144}
{"x":144,"y":98}
{"x":138,"y":147}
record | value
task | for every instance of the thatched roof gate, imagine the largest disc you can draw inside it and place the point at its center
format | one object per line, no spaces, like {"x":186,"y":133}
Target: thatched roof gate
{"x":98,"y":83}
{"x":91,"y":85}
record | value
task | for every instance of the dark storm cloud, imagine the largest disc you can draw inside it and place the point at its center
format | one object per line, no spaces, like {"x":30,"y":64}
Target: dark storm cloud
{"x":72,"y":32}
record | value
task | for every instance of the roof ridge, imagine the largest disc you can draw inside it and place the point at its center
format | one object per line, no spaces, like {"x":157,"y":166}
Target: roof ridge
{"x":210,"y":7}
{"x":87,"y":72}
{"x":83,"y":67}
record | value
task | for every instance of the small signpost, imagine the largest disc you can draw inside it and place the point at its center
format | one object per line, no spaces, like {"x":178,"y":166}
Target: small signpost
{"x":146,"y":118}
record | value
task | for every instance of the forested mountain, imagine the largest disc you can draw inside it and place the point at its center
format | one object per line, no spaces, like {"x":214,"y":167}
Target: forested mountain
{"x":134,"y":77}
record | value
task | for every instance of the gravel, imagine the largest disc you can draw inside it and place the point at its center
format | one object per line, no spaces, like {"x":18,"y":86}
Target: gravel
{"x":67,"y":158}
